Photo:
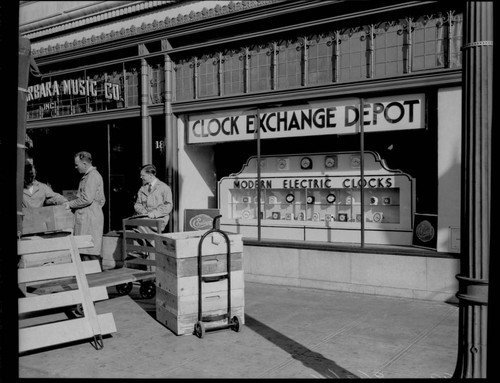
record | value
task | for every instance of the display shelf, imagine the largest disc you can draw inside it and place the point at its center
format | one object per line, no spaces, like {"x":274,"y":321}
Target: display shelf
{"x":319,"y":197}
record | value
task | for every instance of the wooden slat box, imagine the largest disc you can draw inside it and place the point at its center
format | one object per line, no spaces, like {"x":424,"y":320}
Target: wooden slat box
{"x":187,"y":267}
{"x":177,"y":278}
{"x":180,"y":314}
{"x":185,"y":244}
{"x":47,"y":218}
{"x":181,"y":305}
{"x":187,"y":286}
{"x":184,"y":324}
{"x":36,"y":255}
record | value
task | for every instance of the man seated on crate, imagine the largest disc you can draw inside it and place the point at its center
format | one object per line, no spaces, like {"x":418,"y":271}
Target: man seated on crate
{"x":37,"y":194}
{"x":154,"y":200}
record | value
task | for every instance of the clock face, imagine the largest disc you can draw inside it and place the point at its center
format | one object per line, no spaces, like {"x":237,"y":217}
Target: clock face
{"x":306,"y":163}
{"x":310,"y":199}
{"x":377,"y":217}
{"x":283,"y":164}
{"x":330,"y":162}
{"x":290,"y":198}
{"x":330,"y":198}
{"x":355,"y":162}
{"x":246,"y":214}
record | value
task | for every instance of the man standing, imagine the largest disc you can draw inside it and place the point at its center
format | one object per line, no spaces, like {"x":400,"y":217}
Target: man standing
{"x":154,"y":198}
{"x":89,"y":218}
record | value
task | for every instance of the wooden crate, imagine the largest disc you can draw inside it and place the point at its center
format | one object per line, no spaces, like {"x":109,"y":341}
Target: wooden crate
{"x":177,"y":291}
{"x":187,"y":267}
{"x":189,"y":285}
{"x":185,"y":244}
{"x":184,"y":324}
{"x":32,"y":254}
{"x":181,"y":305}
{"x":47,"y":218}
{"x":47,"y":333}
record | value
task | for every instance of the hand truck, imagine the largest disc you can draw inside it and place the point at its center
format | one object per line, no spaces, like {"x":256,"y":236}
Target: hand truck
{"x":232,"y":322}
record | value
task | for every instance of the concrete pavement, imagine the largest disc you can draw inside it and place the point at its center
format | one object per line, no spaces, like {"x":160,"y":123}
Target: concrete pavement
{"x":288,"y":333}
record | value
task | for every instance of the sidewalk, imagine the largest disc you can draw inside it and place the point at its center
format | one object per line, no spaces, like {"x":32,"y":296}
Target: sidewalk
{"x":288,"y":333}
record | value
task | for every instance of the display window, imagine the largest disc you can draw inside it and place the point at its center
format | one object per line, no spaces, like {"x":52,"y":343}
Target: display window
{"x":305,"y":191}
{"x":310,"y":186}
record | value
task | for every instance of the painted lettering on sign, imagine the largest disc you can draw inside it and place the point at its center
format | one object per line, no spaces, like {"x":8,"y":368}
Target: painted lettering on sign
{"x":335,"y":117}
{"x":315,"y":183}
{"x":78,"y":87}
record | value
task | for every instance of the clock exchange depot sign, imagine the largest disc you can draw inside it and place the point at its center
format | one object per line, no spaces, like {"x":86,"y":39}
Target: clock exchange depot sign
{"x":335,"y":117}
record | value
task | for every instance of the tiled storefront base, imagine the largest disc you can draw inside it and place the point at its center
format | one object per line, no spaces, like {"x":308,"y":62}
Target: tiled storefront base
{"x":418,"y":277}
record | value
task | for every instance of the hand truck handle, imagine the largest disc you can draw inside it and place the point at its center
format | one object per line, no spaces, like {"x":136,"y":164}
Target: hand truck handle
{"x":216,"y":222}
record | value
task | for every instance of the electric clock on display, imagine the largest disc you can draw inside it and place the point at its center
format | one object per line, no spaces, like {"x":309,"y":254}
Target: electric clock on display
{"x":290,"y":198}
{"x":377,"y":217}
{"x":306,"y":163}
{"x":310,"y":199}
{"x":330,"y":198}
{"x":246,"y":214}
{"x":330,"y":162}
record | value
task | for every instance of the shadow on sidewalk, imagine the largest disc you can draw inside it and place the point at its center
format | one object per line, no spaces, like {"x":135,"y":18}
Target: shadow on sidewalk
{"x":324,"y":367}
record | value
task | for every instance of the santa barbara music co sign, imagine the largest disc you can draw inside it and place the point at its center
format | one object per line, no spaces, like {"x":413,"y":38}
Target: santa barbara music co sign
{"x":72,"y":87}
{"x":313,"y":119}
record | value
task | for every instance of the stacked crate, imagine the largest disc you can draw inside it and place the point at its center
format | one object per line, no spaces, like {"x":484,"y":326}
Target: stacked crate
{"x":177,"y":279}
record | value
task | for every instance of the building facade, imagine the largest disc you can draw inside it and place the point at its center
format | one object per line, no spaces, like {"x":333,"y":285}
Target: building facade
{"x":327,"y":133}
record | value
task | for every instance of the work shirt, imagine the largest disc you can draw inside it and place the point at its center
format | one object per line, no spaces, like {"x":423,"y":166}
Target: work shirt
{"x":41,"y":195}
{"x":158,"y":201}
{"x":89,"y":218}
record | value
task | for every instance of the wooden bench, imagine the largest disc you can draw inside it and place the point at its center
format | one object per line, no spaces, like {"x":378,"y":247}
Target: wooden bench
{"x":40,"y":307}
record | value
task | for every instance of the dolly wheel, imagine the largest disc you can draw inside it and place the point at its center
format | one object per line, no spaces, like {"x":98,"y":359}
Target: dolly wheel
{"x":79,"y":309}
{"x":199,"y":329}
{"x":147,"y":290}
{"x":236,"y":324}
{"x":124,"y":288}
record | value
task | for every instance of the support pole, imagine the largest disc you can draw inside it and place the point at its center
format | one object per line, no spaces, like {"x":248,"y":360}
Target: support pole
{"x":170,"y":142}
{"x":147,"y":144}
{"x":22,"y":84}
{"x":476,"y":190}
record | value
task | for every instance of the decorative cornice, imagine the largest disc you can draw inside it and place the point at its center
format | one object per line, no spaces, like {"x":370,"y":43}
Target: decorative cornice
{"x":156,"y":25}
{"x":84,"y":15}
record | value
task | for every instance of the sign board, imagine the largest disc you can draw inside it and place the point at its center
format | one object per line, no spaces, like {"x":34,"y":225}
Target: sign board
{"x":312,"y":119}
{"x":199,"y":219}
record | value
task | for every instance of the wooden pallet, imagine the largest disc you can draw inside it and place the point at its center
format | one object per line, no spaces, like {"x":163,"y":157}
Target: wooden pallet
{"x":90,"y":326}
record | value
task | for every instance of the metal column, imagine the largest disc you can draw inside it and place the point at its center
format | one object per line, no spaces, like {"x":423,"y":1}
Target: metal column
{"x":476,"y":190}
{"x":147,"y":137}
{"x":170,"y":144}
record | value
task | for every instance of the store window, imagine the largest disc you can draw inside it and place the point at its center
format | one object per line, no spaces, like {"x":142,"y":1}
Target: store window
{"x":290,"y":63}
{"x":184,"y":79}
{"x":208,"y":74}
{"x":233,"y":72}
{"x":350,"y":53}
{"x":428,"y":43}
{"x":132,"y":78}
{"x":157,"y":83}
{"x":260,"y":68}
{"x":320,"y":60}
{"x":353,"y":61}
{"x":389,"y":50}
{"x":310,"y":180}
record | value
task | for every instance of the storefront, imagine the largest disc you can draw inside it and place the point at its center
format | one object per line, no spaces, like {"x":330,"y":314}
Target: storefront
{"x":328,"y":136}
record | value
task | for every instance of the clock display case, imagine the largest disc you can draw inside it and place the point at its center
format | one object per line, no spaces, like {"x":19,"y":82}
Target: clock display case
{"x":319,"y":192}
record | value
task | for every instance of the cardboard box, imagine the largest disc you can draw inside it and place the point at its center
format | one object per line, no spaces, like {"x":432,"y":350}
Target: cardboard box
{"x":46,"y":219}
